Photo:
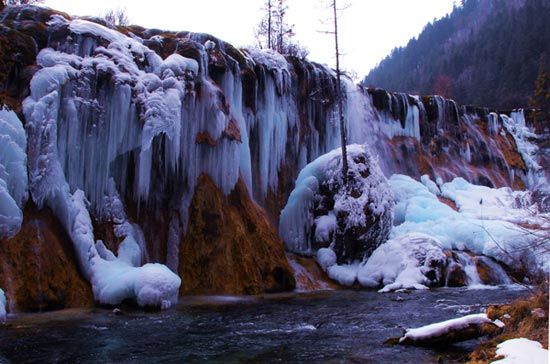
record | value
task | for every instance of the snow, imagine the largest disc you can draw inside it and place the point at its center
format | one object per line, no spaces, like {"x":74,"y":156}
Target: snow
{"x":441,"y":328}
{"x":13,"y":173}
{"x":324,"y":226}
{"x":296,"y":219}
{"x":521,"y":351}
{"x":326,"y":258}
{"x":490,"y":228}
{"x":403,"y":263}
{"x":268,"y":57}
{"x":2,"y":307}
{"x":345,"y":274}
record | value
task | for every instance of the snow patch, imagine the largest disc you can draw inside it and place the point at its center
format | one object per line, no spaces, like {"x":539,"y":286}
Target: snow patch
{"x":521,"y":351}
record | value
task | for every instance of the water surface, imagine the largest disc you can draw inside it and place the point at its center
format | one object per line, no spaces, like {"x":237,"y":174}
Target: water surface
{"x":332,"y":326}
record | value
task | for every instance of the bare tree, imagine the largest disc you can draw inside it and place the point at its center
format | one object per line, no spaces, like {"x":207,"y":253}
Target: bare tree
{"x":273,"y":31}
{"x":264,"y":31}
{"x":116,"y":17}
{"x":283,"y":31}
{"x":343,"y":136}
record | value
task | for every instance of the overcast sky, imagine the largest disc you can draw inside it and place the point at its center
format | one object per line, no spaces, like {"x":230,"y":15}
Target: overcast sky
{"x":370,"y":29}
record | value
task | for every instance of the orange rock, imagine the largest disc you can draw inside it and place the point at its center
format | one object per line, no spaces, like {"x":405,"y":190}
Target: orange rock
{"x":310,"y":276}
{"x":38,"y":269}
{"x":230,"y":246}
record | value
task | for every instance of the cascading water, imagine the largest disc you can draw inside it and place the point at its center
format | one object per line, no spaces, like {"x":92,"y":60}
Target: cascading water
{"x":470,"y":268}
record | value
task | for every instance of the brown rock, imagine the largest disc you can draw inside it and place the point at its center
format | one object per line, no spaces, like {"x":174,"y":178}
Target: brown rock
{"x":309,"y":275}
{"x":204,"y":137}
{"x":232,"y":131}
{"x":456,"y":277}
{"x":38,"y":269}
{"x":230,"y":246}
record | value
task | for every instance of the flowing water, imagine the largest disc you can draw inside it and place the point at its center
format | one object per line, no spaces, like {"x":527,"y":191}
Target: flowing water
{"x":330,"y":326}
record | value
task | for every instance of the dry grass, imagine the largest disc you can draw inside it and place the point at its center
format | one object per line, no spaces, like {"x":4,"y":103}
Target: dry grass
{"x":520,"y":323}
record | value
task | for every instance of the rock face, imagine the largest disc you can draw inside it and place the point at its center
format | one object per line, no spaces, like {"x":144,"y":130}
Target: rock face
{"x":230,"y":246}
{"x":38,"y":269}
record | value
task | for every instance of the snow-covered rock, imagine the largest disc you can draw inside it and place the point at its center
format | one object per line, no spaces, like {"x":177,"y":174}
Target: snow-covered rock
{"x":411,"y":261}
{"x":521,"y":351}
{"x":13,"y":172}
{"x":351,"y":219}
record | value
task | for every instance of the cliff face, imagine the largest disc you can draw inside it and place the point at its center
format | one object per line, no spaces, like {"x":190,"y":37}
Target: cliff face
{"x":230,"y":245}
{"x":38,"y":267}
{"x":152,"y":146}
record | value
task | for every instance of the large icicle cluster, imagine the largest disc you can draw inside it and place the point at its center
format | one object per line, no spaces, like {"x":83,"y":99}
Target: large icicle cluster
{"x":13,"y":173}
{"x":352,"y":219}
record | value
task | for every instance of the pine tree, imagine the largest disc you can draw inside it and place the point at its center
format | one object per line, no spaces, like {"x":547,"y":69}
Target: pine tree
{"x":541,"y":97}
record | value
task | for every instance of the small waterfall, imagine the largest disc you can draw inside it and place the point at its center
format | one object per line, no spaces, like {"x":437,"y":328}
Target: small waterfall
{"x":498,"y":275}
{"x":469,"y":266}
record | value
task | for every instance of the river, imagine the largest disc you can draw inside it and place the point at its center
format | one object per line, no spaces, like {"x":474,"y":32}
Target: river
{"x":329,"y":326}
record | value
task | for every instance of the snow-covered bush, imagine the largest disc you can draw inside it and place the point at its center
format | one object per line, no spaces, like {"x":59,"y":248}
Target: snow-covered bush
{"x":352,"y":219}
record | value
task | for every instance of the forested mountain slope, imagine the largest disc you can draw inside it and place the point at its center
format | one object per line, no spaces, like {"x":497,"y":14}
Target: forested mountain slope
{"x":486,"y":52}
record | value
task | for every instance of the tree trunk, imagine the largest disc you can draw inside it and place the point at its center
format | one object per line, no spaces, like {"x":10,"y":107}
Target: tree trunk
{"x":269,"y":45}
{"x":343,"y":137}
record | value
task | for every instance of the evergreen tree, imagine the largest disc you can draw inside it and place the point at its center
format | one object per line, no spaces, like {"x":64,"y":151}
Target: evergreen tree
{"x":541,"y":97}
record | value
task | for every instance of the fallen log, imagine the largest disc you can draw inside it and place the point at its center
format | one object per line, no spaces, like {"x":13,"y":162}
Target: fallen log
{"x":451,"y":331}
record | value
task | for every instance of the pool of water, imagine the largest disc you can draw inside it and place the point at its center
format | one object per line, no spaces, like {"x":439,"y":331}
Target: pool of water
{"x":331,"y":326}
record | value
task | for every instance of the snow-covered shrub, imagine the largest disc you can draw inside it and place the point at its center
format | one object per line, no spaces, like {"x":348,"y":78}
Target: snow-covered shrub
{"x":352,"y":219}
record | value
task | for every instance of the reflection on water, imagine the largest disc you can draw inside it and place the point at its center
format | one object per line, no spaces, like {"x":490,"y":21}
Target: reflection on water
{"x":340,"y":326}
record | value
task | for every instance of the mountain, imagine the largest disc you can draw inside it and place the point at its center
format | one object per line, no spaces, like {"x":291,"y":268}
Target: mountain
{"x":486,"y":52}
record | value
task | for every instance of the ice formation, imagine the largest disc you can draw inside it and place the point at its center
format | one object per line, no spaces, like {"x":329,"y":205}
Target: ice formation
{"x":521,"y":351}
{"x":427,"y":230}
{"x":2,"y":306}
{"x":322,"y":211}
{"x":13,"y":173}
{"x":488,"y":221}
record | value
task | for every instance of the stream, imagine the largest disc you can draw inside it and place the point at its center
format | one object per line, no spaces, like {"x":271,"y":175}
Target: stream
{"x":329,"y":326}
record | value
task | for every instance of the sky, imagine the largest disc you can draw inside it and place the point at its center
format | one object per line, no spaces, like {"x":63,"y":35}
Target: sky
{"x":369,"y":29}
